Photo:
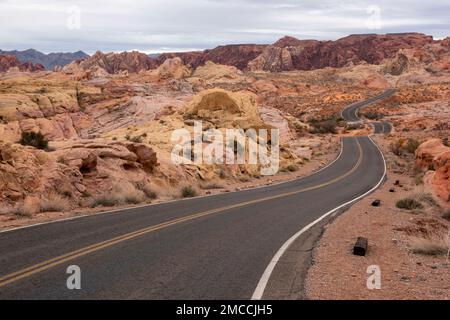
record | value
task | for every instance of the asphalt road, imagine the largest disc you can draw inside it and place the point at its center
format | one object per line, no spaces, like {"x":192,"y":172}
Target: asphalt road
{"x":214,"y":247}
{"x":383,"y":127}
{"x":351,"y":112}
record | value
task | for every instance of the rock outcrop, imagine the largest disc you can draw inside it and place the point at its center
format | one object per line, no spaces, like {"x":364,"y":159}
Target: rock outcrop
{"x":290,"y":54}
{"x":433,"y":155}
{"x":213,"y":71}
{"x":173,"y":68}
{"x":112,"y":63}
{"x":238,"y":55}
{"x":226,"y":109}
{"x":77,"y":170}
{"x":10,"y":62}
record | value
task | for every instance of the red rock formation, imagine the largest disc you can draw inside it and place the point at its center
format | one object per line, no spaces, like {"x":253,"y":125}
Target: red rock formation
{"x":114,"y":63}
{"x":432,"y":154}
{"x":237,"y":55}
{"x":8,"y":61}
{"x":291,"y":54}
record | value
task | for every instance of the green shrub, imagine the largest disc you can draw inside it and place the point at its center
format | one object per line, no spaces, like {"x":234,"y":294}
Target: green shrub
{"x":34,"y":139}
{"x":409,"y":204}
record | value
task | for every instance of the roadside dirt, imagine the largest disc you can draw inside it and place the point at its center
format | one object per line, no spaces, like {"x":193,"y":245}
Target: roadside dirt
{"x":337,"y":274}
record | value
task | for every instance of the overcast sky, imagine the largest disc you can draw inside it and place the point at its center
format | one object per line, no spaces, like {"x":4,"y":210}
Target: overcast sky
{"x":174,"y":25}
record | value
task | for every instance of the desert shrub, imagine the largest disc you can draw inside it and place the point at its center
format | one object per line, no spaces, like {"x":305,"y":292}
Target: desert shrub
{"x":28,"y":208}
{"x":396,"y":148}
{"x":412,"y":145}
{"x":211,"y":185}
{"x":222,"y":174}
{"x":244,"y":179}
{"x":79,"y":97}
{"x":149,"y":192}
{"x":136,"y":139}
{"x":34,"y":139}
{"x":354,"y":126}
{"x":55,"y":203}
{"x":323,"y":126}
{"x":446,"y":214}
{"x":433,"y":246}
{"x":373,"y":115}
{"x":425,"y":197}
{"x":292,"y":168}
{"x":188,"y":192}
{"x":119,"y":196}
{"x":409,"y":204}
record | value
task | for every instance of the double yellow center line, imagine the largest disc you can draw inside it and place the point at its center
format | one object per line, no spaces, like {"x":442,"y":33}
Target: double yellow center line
{"x":45,"y":265}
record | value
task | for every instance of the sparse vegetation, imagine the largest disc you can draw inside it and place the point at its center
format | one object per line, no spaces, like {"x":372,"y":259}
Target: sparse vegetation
{"x":373,"y":115}
{"x":396,"y":148}
{"x":135,"y":139}
{"x":409,"y":204}
{"x":446,"y":214}
{"x":354,"y":126}
{"x":119,"y":196}
{"x":326,"y":125}
{"x":211,"y":185}
{"x":401,"y":146}
{"x":55,"y":203}
{"x":149,"y":192}
{"x":34,"y":139}
{"x":188,"y":192}
{"x":222,"y":174}
{"x":433,"y":246}
{"x":79,"y":97}
{"x":412,"y":145}
{"x":244,"y":179}
{"x":292,"y":168}
{"x":27,"y":208}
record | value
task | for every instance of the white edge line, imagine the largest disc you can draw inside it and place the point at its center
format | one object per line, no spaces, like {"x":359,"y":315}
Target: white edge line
{"x":175,"y":200}
{"x":259,"y":291}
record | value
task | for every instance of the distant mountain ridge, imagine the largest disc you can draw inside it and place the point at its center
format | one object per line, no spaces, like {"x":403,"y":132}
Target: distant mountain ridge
{"x":49,"y":61}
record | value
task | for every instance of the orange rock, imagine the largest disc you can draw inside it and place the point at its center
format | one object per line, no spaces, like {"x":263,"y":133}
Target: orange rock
{"x":432,"y":154}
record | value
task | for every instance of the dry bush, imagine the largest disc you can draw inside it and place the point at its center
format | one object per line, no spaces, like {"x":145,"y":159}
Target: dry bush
{"x":211,"y":185}
{"x":409,"y":204}
{"x":55,"y":203}
{"x":120,"y":196}
{"x":149,"y":191}
{"x":188,"y":192}
{"x":446,"y":214}
{"x":28,"y":208}
{"x":34,"y":139}
{"x":437,"y":245}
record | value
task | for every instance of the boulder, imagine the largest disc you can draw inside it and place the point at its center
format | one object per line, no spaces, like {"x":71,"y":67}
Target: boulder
{"x":432,"y":154}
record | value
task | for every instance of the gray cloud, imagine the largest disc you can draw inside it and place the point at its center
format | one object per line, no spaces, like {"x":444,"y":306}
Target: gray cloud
{"x":166,"y":25}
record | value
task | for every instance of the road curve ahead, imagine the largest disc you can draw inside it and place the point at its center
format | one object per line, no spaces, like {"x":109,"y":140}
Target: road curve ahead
{"x":214,"y":247}
{"x":351,"y":112}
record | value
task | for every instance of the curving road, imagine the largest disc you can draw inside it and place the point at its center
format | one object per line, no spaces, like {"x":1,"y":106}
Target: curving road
{"x":214,"y":247}
{"x":351,"y":112}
